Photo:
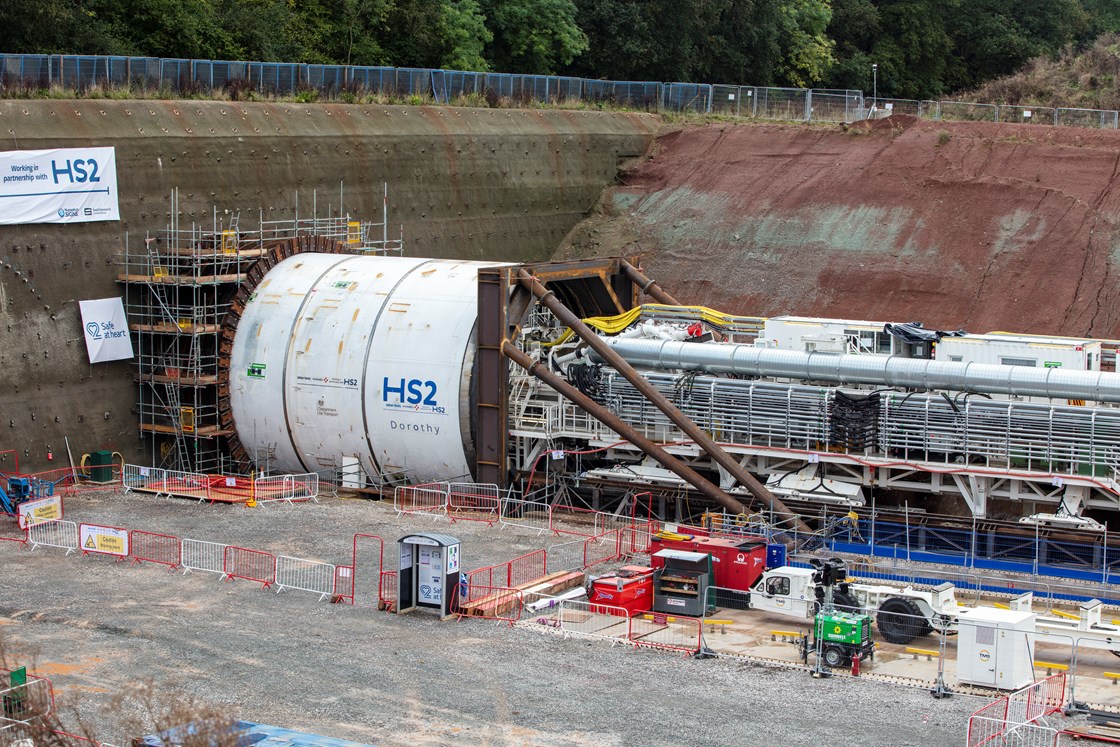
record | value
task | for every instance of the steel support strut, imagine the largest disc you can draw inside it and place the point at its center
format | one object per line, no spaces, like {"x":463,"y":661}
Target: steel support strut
{"x":693,"y":431}
{"x":612,"y":421}
{"x":647,"y":286}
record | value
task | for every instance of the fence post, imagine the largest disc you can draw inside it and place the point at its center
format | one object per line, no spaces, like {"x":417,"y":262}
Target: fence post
{"x":808,"y":105}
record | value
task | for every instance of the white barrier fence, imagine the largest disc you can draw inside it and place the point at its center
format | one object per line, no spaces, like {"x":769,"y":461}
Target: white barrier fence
{"x":289,"y":488}
{"x":532,"y":515}
{"x":185,"y":484}
{"x":54,"y":533}
{"x":421,"y":499}
{"x":212,"y":487}
{"x":304,"y":575}
{"x":473,"y":501}
{"x":208,"y":557}
{"x":136,"y":477}
{"x":31,"y":700}
{"x":593,"y":621}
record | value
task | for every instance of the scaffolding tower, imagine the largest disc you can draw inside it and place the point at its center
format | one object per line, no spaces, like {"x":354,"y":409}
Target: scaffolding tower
{"x":178,"y":286}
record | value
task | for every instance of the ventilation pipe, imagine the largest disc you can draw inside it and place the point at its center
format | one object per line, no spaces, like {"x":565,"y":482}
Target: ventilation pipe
{"x":879,"y":370}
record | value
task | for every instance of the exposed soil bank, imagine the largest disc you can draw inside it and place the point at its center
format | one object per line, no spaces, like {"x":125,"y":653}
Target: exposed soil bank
{"x":973,"y":225}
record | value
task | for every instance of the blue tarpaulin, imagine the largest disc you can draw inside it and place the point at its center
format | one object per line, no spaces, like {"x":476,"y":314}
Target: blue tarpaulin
{"x":249,"y":733}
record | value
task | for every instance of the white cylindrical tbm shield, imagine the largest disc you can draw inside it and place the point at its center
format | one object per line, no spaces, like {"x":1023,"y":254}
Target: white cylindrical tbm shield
{"x":341,"y":361}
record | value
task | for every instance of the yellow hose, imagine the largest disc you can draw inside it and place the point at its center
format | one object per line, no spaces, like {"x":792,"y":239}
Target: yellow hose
{"x":612,"y":325}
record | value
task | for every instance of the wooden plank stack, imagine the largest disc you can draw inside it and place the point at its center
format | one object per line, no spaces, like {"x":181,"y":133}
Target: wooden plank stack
{"x":501,"y":602}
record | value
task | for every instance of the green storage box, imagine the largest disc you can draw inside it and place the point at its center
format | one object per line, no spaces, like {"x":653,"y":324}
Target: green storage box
{"x":101,"y":466}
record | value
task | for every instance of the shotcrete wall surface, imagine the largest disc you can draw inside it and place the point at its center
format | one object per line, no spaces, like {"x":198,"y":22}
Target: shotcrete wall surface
{"x":974,"y":225}
{"x":482,"y":184}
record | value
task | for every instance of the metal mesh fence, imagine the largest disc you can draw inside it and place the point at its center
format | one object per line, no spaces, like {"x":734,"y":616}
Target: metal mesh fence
{"x":447,"y":86}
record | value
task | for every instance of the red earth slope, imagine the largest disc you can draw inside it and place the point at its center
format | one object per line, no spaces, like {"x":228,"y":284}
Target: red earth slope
{"x":973,"y":225}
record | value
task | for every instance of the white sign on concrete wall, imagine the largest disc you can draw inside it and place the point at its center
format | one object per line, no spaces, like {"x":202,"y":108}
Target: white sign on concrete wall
{"x":106,"y":330}
{"x":62,"y":185}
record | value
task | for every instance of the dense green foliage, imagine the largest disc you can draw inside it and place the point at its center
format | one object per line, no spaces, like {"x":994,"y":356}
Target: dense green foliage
{"x":922,"y":47}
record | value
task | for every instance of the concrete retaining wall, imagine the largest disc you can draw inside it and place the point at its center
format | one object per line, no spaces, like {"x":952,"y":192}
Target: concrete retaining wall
{"x":464,"y":183}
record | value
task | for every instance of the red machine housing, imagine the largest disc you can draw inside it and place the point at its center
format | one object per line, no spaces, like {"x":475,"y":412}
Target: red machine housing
{"x":736,"y":563}
{"x":630,"y":587}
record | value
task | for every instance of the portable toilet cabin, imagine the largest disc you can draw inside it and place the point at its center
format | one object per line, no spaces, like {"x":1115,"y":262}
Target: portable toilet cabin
{"x":429,"y":573}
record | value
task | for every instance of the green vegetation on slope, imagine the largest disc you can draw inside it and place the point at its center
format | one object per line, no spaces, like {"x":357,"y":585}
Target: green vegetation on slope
{"x":923,"y":48}
{"x":1087,"y":80}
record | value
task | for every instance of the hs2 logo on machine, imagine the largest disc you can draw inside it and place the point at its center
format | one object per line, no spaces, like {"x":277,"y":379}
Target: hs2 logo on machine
{"x":416,"y":395}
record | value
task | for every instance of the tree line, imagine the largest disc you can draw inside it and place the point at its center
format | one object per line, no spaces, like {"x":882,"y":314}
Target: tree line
{"x":922,"y":48}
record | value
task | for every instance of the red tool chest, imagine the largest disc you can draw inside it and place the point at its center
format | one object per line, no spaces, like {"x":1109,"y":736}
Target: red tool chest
{"x":630,"y":587}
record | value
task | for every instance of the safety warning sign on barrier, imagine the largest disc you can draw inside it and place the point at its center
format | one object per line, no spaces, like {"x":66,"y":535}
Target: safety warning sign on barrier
{"x":105,"y":540}
{"x":43,"y":509}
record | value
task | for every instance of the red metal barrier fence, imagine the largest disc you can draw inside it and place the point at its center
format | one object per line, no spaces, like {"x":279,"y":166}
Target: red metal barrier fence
{"x":388,"y":590}
{"x":156,"y":548}
{"x":344,"y":582}
{"x":251,"y":565}
{"x":526,"y":568}
{"x":655,"y":630}
{"x":479,"y":579}
{"x":368,"y":561}
{"x":1009,"y":715}
{"x":502,"y":603}
{"x":21,"y":539}
{"x":602,"y":548}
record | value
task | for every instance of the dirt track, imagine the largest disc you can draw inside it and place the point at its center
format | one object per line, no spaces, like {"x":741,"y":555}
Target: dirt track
{"x":401,"y":680}
{"x":974,"y":225}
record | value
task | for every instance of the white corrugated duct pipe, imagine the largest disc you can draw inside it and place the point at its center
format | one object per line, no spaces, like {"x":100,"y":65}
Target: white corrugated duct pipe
{"x":885,"y":370}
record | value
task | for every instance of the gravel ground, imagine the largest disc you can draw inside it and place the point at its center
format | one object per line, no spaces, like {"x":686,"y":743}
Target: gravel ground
{"x":410,"y":680}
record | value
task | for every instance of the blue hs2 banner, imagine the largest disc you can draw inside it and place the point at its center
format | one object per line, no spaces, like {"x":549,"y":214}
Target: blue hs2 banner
{"x":65,"y":185}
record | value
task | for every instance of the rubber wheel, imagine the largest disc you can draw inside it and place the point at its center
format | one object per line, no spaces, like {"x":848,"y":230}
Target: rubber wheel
{"x":900,"y":620}
{"x":835,"y":658}
{"x":845,"y":602}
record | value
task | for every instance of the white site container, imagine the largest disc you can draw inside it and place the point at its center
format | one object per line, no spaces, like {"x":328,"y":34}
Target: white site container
{"x":1022,"y":350}
{"x":343,"y":360}
{"x":995,"y":648}
{"x":809,"y":334}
